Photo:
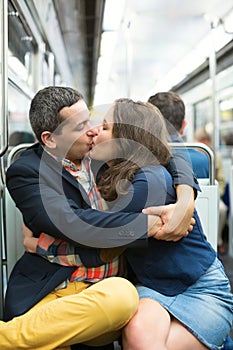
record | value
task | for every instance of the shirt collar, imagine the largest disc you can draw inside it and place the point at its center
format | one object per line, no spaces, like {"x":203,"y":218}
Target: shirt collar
{"x":66,"y":163}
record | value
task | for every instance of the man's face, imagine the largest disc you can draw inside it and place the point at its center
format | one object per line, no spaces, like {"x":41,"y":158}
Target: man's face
{"x":76,"y":136}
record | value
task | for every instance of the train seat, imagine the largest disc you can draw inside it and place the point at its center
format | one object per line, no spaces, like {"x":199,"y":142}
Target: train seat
{"x":207,"y":205}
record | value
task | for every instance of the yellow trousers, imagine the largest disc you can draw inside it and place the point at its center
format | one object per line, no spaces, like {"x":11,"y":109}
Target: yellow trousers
{"x":94,"y":316}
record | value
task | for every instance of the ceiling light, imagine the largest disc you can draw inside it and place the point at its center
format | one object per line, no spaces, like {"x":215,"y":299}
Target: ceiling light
{"x":113,"y":14}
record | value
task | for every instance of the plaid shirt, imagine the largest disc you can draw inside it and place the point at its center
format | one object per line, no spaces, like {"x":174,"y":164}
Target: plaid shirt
{"x":63,"y":253}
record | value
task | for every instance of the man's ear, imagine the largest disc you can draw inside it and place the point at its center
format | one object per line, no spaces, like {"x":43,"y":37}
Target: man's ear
{"x":184,"y":123}
{"x":48,"y":139}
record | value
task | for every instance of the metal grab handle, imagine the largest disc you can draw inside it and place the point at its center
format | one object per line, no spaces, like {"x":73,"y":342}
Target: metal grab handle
{"x":207,"y":150}
{"x":4,"y":80}
{"x":15,"y":150}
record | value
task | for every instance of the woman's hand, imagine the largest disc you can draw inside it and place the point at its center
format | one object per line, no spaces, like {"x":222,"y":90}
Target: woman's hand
{"x":29,"y":242}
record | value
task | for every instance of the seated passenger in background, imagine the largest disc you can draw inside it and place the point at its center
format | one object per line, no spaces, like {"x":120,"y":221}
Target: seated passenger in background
{"x":18,"y":137}
{"x":172,"y":108}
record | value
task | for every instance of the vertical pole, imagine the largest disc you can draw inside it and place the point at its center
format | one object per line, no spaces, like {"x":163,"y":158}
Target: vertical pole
{"x":4,"y":135}
{"x":128,"y":59}
{"x":212,"y":71}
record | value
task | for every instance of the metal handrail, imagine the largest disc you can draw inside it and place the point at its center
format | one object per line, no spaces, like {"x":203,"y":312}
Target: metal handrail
{"x":207,"y":150}
{"x":4,"y":80}
{"x":15,"y":150}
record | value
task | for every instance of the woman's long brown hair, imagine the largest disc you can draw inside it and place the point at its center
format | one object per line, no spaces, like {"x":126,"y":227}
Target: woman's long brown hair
{"x":141,"y":140}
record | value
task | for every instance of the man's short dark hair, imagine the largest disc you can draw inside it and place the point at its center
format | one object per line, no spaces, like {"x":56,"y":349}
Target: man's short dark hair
{"x":45,"y":107}
{"x":172,"y":108}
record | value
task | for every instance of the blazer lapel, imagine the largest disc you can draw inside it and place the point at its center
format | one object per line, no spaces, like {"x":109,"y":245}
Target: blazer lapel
{"x":51,"y":163}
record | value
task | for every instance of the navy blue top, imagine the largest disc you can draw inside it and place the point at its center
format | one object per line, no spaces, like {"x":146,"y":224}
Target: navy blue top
{"x":198,"y":159}
{"x":167,"y":267}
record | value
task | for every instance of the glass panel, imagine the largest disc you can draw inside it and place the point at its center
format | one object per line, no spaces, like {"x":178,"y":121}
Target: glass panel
{"x":45,"y":71}
{"x":226,"y":109}
{"x":19,"y":125}
{"x":21,"y":47}
{"x":226,"y":118}
{"x":202,"y":113}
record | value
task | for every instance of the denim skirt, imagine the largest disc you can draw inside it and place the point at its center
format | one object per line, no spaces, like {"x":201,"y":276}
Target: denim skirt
{"x":205,"y":308}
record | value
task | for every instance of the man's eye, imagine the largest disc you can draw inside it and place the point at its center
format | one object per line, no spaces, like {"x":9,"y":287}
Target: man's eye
{"x":80,"y":126}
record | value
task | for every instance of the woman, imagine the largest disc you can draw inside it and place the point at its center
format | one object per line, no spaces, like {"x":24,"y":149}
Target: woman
{"x":185,"y":298}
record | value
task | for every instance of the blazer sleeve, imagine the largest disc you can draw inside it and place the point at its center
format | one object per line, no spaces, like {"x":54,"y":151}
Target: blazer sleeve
{"x":47,"y":209}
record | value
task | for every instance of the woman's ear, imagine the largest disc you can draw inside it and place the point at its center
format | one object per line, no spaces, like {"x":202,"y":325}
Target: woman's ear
{"x":48,"y":139}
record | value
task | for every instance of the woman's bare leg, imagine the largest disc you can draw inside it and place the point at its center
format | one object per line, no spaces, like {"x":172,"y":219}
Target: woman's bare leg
{"x":180,"y":338}
{"x":148,"y":329}
{"x":153,"y":328}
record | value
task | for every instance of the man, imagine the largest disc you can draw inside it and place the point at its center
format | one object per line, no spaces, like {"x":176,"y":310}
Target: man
{"x":172,"y":108}
{"x":46,"y":185}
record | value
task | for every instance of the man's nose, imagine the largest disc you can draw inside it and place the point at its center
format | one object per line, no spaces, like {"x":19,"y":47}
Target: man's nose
{"x":94,"y":131}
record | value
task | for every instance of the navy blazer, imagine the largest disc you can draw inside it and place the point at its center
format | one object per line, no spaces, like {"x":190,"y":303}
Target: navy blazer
{"x":52,"y":201}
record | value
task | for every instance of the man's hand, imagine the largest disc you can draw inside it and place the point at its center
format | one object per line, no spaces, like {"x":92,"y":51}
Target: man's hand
{"x":29,"y":242}
{"x":155,"y":224}
{"x":170,"y":228}
{"x":177,"y":218}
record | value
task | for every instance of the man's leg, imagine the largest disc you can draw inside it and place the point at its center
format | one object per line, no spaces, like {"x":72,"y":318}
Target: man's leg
{"x":103,"y":308}
{"x":72,"y":288}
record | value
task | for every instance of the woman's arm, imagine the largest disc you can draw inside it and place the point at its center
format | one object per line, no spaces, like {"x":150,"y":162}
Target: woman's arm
{"x":178,"y":218}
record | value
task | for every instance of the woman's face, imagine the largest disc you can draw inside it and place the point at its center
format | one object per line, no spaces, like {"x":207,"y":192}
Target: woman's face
{"x":104,"y":144}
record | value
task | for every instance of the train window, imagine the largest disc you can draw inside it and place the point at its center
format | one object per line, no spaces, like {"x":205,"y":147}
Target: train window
{"x":20,"y":46}
{"x":202,"y":113}
{"x":226,"y":120}
{"x":18,"y":112}
{"x":226,"y":109}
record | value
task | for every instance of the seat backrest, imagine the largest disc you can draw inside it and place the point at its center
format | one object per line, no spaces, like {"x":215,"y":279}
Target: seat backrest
{"x":13,"y":217}
{"x":207,"y":205}
{"x":207,"y":201}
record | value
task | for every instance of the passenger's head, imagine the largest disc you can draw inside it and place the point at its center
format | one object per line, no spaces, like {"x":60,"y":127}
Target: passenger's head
{"x":133,"y":135}
{"x":18,"y":137}
{"x":60,"y":119}
{"x":172,"y":108}
{"x":228,"y":138}
{"x":202,"y":135}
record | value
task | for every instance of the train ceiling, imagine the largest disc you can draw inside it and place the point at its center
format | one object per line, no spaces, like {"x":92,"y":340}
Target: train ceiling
{"x":152,"y":38}
{"x":81,"y":26}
